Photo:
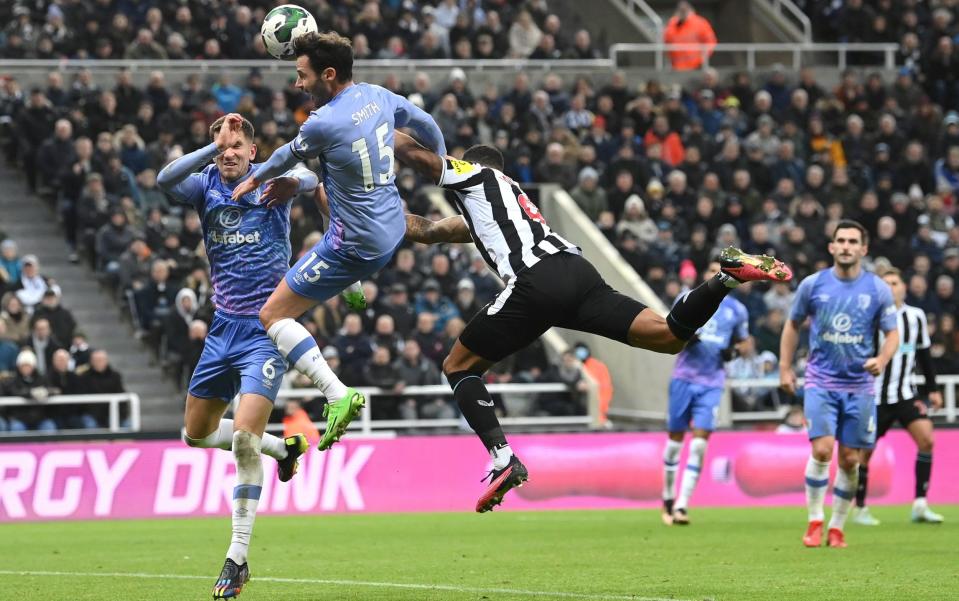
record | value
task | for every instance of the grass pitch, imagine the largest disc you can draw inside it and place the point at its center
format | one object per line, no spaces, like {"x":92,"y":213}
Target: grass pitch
{"x":727,"y":554}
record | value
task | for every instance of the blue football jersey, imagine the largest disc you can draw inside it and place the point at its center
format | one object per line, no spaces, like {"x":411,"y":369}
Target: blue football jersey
{"x":353,"y":136}
{"x":702,"y":362}
{"x":247,"y":244}
{"x":845,"y":316}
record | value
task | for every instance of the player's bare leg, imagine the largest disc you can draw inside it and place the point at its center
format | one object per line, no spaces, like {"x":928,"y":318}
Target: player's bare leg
{"x":921,"y":432}
{"x":294,"y":342}
{"x":674,"y":446}
{"x":464,"y":369}
{"x":205,"y":428}
{"x":694,"y":465}
{"x":861,"y":514}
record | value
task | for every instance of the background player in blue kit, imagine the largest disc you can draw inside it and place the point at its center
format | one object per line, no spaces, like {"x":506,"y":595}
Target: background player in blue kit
{"x":352,"y":133}
{"x":694,"y":395}
{"x":846,"y":305}
{"x":248,"y":246}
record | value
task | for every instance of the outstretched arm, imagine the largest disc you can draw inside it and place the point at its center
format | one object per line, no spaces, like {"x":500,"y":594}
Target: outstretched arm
{"x":426,"y":231}
{"x":423,"y":161}
{"x":409,"y":115}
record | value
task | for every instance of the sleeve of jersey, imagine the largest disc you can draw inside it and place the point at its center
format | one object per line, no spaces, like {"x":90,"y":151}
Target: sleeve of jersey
{"x":460,"y":175}
{"x":407,"y":114}
{"x":887,"y":308}
{"x":800,"y":308}
{"x":924,"y":341}
{"x":181,"y":180}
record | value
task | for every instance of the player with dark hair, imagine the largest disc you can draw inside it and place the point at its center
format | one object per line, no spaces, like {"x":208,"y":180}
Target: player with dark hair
{"x":352,"y":132}
{"x":548,"y":283}
{"x":897,"y":401}
{"x":248,"y":246}
{"x":846,"y":305}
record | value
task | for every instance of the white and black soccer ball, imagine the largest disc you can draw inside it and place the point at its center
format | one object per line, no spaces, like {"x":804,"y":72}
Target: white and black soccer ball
{"x":284,"y":24}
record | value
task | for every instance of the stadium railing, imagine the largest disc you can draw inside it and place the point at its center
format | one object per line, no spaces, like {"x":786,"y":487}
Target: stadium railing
{"x":792,"y":16}
{"x":114,"y":424}
{"x":749,"y":56}
{"x":949,"y":411}
{"x":727,"y":417}
{"x":644,"y":17}
{"x":369,"y":426}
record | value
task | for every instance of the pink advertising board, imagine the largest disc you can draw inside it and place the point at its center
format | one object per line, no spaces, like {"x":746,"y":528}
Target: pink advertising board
{"x":574,"y":471}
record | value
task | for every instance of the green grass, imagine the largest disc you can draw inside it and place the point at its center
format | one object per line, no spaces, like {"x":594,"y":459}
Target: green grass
{"x":727,"y":554}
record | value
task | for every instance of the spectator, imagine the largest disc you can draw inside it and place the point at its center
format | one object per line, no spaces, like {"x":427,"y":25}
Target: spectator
{"x":385,"y":336}
{"x":687,"y":27}
{"x":8,"y":351}
{"x":27,"y":383}
{"x":112,"y":240}
{"x":598,"y":371}
{"x":100,"y":377}
{"x":466,"y":303}
{"x":588,"y":195}
{"x":428,"y":337}
{"x":9,"y":266}
{"x":555,"y":168}
{"x":155,"y":300}
{"x":524,"y":36}
{"x":355,"y":348}
{"x":32,"y":283}
{"x":432,"y":301}
{"x":61,"y":320}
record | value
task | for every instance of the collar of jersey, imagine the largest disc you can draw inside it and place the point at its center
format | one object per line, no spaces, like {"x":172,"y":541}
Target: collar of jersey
{"x":353,"y":84}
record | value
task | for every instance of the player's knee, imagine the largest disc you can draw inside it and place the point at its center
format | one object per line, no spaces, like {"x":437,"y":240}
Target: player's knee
{"x":451,"y":366}
{"x":925,"y":443}
{"x":188,"y":441}
{"x":246,"y":447}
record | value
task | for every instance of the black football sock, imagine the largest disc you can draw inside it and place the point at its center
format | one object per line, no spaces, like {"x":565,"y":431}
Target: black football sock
{"x":476,"y":404}
{"x":923,"y":469}
{"x":694,"y":310}
{"x":861,"y":487}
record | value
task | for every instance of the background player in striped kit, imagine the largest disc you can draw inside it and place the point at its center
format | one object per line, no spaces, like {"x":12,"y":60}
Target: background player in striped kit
{"x":694,"y":395}
{"x":896,"y":400}
{"x":548,"y":283}
{"x":845,"y":304}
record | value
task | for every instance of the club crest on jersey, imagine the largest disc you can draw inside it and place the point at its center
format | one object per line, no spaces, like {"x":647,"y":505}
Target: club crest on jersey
{"x":864,"y":301}
{"x":230,"y":217}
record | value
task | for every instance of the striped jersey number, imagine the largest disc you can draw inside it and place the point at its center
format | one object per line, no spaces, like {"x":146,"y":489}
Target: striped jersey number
{"x":315,"y":267}
{"x":385,"y":152}
{"x":530,"y":209}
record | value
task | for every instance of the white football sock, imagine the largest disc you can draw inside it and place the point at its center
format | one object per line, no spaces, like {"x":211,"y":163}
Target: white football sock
{"x":843,"y":494}
{"x":817,"y":479}
{"x":670,"y":467}
{"x":246,"y":493}
{"x":501,"y":456}
{"x":222,"y":438}
{"x":297,"y":345}
{"x":694,"y":464}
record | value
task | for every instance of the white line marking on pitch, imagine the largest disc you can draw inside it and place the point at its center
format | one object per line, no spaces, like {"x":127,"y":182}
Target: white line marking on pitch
{"x":400,"y":585}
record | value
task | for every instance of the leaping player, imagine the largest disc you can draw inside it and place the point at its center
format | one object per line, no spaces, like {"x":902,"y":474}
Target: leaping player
{"x":548,"y":283}
{"x":248,"y":246}
{"x":352,"y":133}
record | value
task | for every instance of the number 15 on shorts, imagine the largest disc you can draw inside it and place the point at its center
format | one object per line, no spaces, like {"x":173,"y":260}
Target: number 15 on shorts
{"x":312,"y":268}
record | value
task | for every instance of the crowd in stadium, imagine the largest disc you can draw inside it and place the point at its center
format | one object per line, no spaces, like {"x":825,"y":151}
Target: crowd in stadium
{"x":392,"y":29}
{"x":669,"y":175}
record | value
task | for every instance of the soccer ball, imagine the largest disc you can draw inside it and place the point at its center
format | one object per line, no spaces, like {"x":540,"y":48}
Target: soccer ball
{"x":282,"y":25}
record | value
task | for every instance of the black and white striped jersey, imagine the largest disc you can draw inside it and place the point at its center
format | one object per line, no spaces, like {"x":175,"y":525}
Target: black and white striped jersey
{"x":895,"y":383}
{"x":507,"y":228}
